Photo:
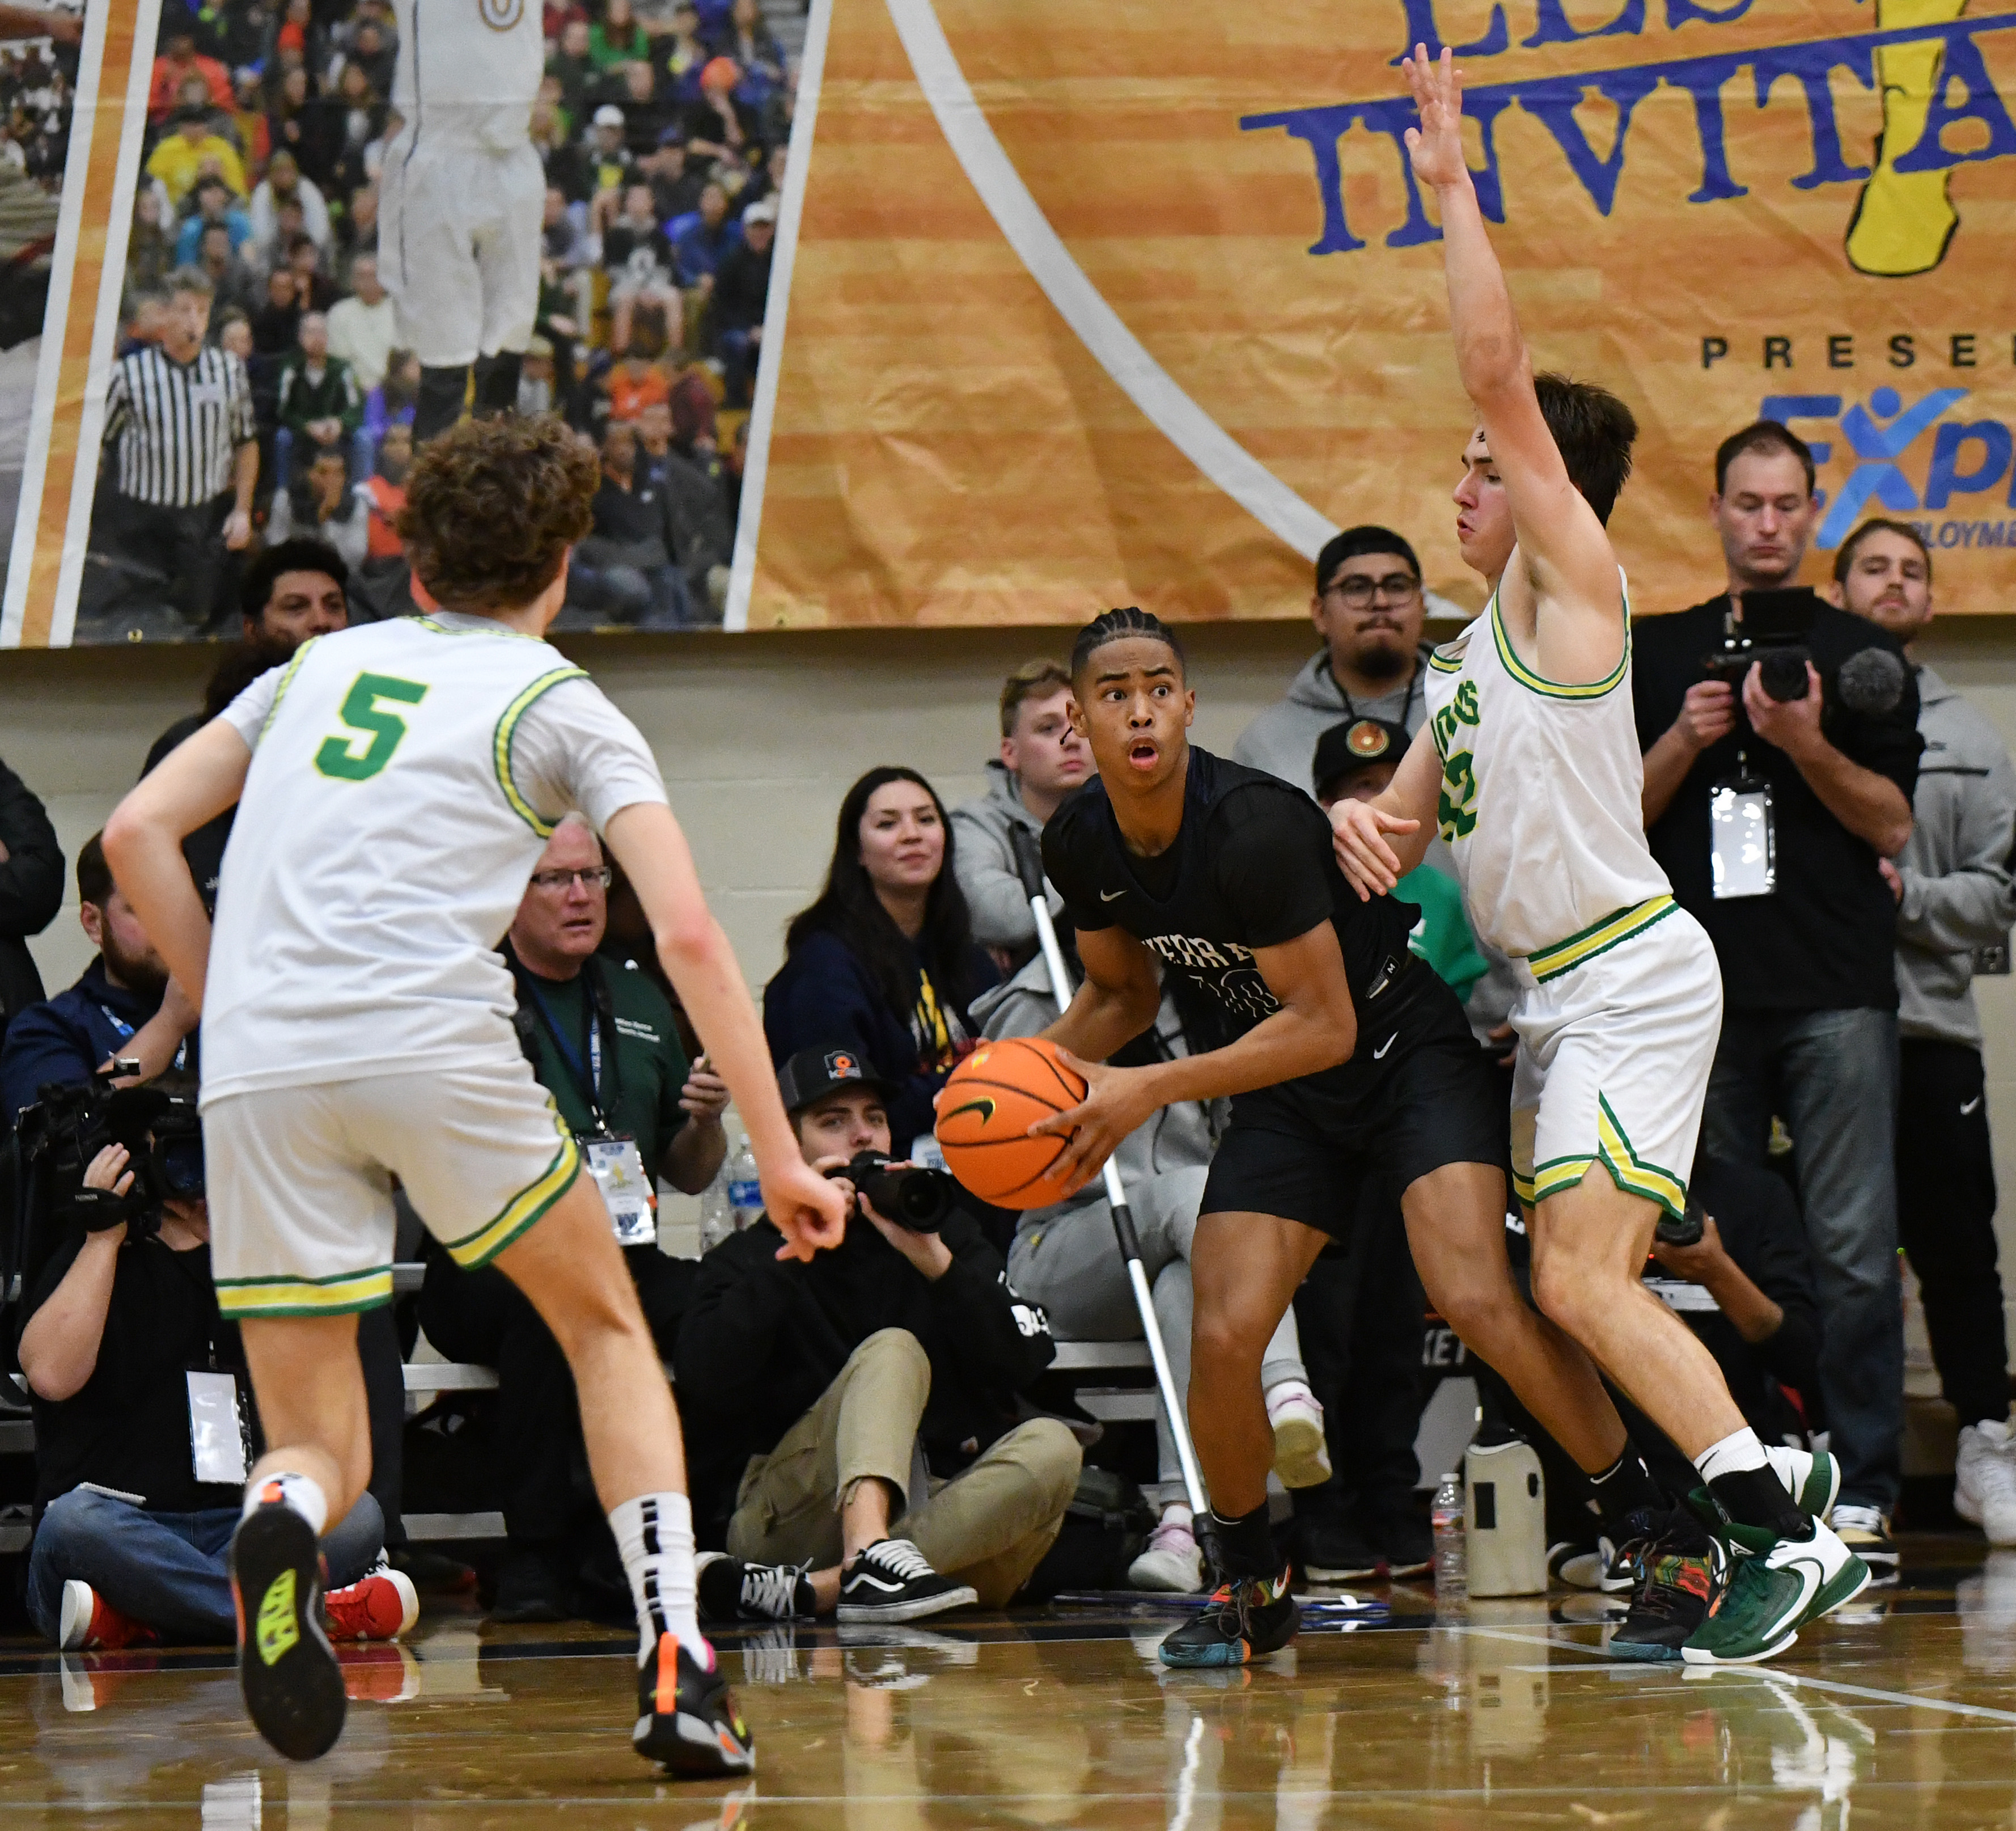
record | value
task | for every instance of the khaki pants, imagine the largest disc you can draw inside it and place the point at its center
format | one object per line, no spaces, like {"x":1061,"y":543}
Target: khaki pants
{"x":989,"y":1527}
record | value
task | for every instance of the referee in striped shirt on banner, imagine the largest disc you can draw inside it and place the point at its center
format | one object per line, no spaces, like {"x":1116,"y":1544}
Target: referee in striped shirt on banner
{"x":175,"y":499}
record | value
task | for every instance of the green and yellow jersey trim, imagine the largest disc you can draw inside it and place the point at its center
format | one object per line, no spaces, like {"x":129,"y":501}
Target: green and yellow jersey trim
{"x":1599,"y":937}
{"x":478,"y":1249}
{"x":1629,"y":1171}
{"x":1553,"y":689}
{"x":288,"y":1296}
{"x":286,"y":680}
{"x":1443,"y":663}
{"x":507,"y":728}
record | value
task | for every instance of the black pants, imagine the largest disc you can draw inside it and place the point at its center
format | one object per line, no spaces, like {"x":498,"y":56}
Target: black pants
{"x":482,"y":1316}
{"x":1361,"y":1315}
{"x":175,"y":557}
{"x":1945,"y":1221}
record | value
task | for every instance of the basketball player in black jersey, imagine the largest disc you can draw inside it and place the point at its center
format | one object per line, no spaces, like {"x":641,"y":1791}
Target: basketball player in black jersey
{"x":1344,"y":1057}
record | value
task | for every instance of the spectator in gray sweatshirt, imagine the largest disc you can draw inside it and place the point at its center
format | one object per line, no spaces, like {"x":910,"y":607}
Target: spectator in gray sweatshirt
{"x":1043,"y":760}
{"x":1954,"y":896}
{"x":1368,"y":607}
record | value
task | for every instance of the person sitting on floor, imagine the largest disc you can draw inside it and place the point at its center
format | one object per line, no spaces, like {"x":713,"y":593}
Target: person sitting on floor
{"x":850,"y":1431}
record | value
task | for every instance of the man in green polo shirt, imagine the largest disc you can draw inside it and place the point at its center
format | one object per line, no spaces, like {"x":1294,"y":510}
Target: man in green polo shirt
{"x":602,"y":1040}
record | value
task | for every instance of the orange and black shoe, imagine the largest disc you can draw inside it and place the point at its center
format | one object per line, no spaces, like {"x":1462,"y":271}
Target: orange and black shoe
{"x":686,"y":1718}
{"x":1246,"y":1619}
{"x":286,"y":1668}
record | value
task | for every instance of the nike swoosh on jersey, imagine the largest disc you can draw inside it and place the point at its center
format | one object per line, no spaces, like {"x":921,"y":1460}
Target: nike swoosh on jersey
{"x":1111,"y":896}
{"x":1970,"y":1106}
{"x":1379,"y":1054}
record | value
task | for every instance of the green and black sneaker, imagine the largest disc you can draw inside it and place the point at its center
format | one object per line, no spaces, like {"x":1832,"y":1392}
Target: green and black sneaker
{"x":1775,"y":1586}
{"x":1246,"y":1619}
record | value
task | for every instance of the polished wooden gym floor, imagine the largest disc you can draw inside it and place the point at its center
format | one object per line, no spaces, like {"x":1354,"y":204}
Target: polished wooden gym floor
{"x":1509,"y":1716}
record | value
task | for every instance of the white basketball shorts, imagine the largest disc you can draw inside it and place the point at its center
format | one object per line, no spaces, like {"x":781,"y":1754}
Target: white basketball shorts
{"x":459,"y":245}
{"x":1617,"y":1028}
{"x":300,"y":1180}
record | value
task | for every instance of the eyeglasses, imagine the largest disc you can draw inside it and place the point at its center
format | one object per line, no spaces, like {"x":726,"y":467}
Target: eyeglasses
{"x":1357,"y":592}
{"x":600,"y":876}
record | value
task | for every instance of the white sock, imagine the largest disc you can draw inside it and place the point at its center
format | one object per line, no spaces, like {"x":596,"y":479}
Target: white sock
{"x":1738,"y":1451}
{"x":303,"y":1493}
{"x":655,"y":1534}
{"x":1283,"y":1390}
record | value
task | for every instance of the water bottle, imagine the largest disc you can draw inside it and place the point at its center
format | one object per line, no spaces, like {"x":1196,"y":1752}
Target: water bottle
{"x":745,"y":1192}
{"x":717,"y":1218}
{"x":1452,"y":1567}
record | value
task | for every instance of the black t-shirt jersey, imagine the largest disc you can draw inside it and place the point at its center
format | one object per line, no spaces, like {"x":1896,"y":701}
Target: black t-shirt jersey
{"x":1251,"y":867}
{"x":128,"y":1426}
{"x":1826,"y":940}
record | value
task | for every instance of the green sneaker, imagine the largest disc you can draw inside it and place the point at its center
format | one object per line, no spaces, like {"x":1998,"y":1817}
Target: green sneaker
{"x":1812,"y":1477}
{"x":1775,"y":1586}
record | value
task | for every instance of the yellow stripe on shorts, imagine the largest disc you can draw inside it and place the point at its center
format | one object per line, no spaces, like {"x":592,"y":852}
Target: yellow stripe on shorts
{"x":1561,"y":1173}
{"x":1599,"y":937}
{"x":1630,"y":1171}
{"x":285,"y":1296}
{"x":480,"y":1247}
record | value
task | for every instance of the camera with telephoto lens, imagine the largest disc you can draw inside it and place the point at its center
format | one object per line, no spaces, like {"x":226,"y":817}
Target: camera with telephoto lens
{"x":70,"y":1123}
{"x":916,"y":1200}
{"x":1775,"y":633}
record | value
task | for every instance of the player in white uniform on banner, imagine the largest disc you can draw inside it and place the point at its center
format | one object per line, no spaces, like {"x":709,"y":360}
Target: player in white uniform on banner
{"x":395,"y":785}
{"x":461,"y":198}
{"x":1529,"y":767}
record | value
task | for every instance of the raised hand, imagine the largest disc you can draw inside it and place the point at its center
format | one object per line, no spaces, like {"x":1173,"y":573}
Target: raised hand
{"x":1436,"y":145}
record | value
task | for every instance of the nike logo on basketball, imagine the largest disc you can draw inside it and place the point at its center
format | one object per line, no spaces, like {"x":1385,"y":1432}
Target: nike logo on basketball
{"x":1970,"y":1106}
{"x":1379,"y":1054}
{"x":1111,"y":896}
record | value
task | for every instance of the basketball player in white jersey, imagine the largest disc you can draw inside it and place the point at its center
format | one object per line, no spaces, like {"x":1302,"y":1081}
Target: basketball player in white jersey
{"x":1529,"y":767}
{"x":461,"y":197}
{"x":395,"y":785}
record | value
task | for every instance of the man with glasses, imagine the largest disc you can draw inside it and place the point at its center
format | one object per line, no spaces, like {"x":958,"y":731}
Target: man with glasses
{"x":1368,"y":607}
{"x":602,"y":1041}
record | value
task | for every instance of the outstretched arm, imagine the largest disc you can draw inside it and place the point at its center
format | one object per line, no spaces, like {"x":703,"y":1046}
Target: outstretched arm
{"x":1566,"y":555}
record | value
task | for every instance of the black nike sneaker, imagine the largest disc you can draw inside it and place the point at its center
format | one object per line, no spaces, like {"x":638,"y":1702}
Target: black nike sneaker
{"x":730,"y":1590}
{"x":287,"y":1671}
{"x":1679,"y":1568}
{"x":1246,"y":1619}
{"x":686,"y":1718}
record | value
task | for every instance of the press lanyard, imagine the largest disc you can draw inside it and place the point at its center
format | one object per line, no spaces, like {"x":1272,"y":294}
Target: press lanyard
{"x":590,"y":1085}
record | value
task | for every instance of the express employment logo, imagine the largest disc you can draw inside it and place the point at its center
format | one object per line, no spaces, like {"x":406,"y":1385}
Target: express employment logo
{"x":1921,"y":459}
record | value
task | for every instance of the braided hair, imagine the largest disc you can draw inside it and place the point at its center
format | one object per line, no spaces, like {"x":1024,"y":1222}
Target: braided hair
{"x":1125,"y":624}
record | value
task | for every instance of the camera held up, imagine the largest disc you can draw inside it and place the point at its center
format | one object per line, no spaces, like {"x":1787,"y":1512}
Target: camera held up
{"x":914,"y":1199}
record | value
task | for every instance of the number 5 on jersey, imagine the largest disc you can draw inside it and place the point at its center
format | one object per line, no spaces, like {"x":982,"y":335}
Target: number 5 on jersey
{"x":381,"y":731}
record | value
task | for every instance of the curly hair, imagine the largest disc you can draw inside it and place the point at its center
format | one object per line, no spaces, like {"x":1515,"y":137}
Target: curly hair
{"x":492,"y":506}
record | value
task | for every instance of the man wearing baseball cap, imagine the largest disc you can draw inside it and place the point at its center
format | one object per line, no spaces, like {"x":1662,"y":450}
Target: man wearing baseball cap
{"x":850,"y":1431}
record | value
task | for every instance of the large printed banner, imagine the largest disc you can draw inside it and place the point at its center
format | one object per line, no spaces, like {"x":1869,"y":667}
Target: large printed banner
{"x":1135,"y":302}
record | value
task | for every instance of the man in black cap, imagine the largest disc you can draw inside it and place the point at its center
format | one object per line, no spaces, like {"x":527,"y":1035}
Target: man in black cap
{"x":850,"y":1422}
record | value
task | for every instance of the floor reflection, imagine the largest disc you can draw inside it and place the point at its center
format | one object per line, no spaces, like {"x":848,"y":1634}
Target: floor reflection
{"x":1507,"y":1713}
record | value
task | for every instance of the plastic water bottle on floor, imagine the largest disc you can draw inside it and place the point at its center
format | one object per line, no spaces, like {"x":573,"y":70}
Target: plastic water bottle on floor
{"x":1451,"y":1564}
{"x":717,"y":1217}
{"x":745,"y":1192}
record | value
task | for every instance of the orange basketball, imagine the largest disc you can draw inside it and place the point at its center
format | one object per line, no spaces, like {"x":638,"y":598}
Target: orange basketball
{"x":993,"y":1097}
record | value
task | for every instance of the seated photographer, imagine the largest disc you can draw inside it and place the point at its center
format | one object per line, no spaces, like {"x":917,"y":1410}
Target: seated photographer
{"x":602,"y":1040}
{"x":1065,"y":1258}
{"x":1043,"y":760}
{"x":850,"y":1429}
{"x":1806,"y":759}
{"x":124,"y":1005}
{"x":144,"y":1425}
